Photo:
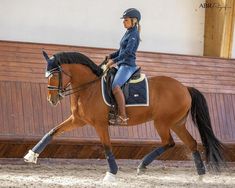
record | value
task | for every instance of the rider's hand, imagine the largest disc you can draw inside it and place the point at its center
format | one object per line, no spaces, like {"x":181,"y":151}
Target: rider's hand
{"x":110,"y":63}
{"x":107,"y":57}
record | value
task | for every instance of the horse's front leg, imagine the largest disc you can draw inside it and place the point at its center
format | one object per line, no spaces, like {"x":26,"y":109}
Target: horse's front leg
{"x":103,"y":132}
{"x":67,"y":125}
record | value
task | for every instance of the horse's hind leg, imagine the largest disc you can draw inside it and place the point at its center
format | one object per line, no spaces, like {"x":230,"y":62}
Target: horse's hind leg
{"x":191,"y":143}
{"x":67,"y":125}
{"x":167,"y":142}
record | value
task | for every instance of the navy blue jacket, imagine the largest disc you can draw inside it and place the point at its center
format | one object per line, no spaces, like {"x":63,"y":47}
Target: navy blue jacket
{"x":128,"y":47}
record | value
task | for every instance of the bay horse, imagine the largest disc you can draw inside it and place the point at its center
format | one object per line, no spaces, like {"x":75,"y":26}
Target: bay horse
{"x":169,"y":105}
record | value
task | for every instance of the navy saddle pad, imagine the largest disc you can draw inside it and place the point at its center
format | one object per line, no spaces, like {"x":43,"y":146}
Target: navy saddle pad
{"x":136,"y":92}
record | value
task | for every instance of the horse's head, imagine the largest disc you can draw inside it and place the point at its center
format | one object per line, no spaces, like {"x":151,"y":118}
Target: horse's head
{"x":56,"y":81}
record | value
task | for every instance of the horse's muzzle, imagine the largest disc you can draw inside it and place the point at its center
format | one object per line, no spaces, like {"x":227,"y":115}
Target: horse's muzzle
{"x":54,"y":100}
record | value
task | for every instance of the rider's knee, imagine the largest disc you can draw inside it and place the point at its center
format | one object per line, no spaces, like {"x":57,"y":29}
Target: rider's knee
{"x":115,"y":88}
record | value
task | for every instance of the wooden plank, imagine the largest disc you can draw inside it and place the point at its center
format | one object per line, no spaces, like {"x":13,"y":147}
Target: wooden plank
{"x":1,"y":110}
{"x":8,"y":107}
{"x":223,"y":128}
{"x":37,"y":115}
{"x":4,"y":109}
{"x":228,"y":116}
{"x":27,"y":109}
{"x":19,"y":106}
{"x":14,"y":108}
{"x":211,"y":110}
{"x":233,"y":114}
{"x":219,"y":102}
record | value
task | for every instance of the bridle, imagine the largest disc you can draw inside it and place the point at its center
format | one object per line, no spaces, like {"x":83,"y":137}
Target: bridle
{"x":61,"y":90}
{"x":65,"y":91}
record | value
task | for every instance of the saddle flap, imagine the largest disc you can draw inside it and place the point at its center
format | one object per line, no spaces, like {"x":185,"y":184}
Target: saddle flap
{"x":136,"y":94}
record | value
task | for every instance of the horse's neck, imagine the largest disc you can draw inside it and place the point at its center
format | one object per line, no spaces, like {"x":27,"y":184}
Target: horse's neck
{"x":89,"y":88}
{"x":81,"y":75}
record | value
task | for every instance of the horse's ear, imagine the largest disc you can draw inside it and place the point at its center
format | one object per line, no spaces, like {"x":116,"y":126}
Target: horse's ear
{"x":45,"y":55}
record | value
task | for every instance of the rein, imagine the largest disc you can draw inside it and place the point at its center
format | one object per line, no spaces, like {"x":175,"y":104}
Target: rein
{"x":80,"y":88}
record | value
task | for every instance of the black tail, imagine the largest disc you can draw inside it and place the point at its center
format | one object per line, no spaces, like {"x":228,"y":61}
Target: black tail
{"x":200,"y":115}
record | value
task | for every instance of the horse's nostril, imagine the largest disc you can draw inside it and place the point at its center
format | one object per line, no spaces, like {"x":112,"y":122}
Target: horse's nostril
{"x":53,"y":100}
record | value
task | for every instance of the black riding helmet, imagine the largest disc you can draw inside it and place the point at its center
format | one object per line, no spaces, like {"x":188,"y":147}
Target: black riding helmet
{"x":132,"y":13}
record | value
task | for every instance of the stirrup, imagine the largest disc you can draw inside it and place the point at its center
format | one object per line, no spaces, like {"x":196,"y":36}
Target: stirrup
{"x":119,"y":121}
{"x":122,"y":121}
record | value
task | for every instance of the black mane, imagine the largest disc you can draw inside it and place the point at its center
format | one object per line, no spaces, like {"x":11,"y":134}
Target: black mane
{"x":77,"y":58}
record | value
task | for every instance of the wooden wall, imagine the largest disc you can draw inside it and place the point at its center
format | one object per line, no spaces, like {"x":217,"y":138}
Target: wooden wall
{"x":25,"y":115}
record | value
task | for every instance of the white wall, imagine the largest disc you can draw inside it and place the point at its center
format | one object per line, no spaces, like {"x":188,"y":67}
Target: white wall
{"x":174,"y":26}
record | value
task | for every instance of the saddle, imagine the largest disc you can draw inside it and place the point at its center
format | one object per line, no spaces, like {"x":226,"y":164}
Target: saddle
{"x":110,"y":77}
{"x":135,"y":90}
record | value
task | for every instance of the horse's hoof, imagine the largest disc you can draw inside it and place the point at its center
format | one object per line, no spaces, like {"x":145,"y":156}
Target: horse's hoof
{"x":31,"y":157}
{"x":109,"y":178}
{"x":141,"y":170}
{"x":201,"y":171}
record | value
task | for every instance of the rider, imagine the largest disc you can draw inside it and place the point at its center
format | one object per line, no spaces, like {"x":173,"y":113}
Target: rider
{"x":125,"y":59}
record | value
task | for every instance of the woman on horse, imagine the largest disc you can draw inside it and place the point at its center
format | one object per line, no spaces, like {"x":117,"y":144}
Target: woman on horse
{"x":125,"y":59}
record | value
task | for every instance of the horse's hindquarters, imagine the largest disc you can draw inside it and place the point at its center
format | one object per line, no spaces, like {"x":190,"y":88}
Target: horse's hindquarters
{"x":169,"y":99}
